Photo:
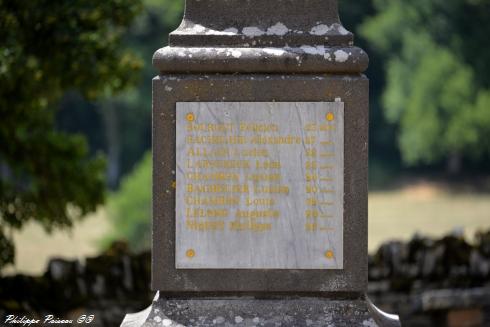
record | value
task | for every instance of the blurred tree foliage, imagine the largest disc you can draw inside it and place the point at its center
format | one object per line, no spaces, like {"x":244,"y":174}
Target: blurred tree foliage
{"x":437,"y":77}
{"x":384,"y":157}
{"x":49,"y":47}
{"x":148,"y":33}
{"x":130,"y":208}
{"x":130,"y":125}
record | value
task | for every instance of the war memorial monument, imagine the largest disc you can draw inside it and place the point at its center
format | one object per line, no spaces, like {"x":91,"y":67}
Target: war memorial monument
{"x":260,"y":164}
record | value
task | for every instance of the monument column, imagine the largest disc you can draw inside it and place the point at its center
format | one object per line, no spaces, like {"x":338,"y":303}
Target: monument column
{"x":260,"y":149}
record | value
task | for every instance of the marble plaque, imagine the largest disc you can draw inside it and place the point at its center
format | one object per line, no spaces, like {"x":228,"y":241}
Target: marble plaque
{"x":259,"y":185}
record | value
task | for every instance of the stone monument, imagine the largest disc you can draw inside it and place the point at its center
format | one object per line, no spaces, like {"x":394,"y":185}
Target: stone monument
{"x":260,"y":149}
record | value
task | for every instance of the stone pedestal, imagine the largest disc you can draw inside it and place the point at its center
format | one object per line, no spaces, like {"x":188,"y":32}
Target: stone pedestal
{"x":243,"y":311}
{"x":300,"y":259}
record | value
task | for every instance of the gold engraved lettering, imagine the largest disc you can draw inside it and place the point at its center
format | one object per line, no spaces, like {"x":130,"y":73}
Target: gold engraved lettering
{"x":252,"y":226}
{"x":327,"y":155}
{"x":311,"y":227}
{"x":324,"y":128}
{"x":204,"y":152}
{"x":311,"y":165}
{"x":216,"y":139}
{"x":221,"y":164}
{"x":212,"y":201}
{"x":310,"y":139}
{"x":311,"y":189}
{"x":259,"y":201}
{"x":205,"y":213}
{"x":312,"y":127}
{"x":311,"y":201}
{"x":193,"y":127}
{"x":280,"y":189}
{"x":213,"y":176}
{"x":312,"y":214}
{"x":254,"y":127}
{"x":288,"y":139}
{"x":311,"y":177}
{"x":257,"y":214}
{"x":196,"y":225}
{"x":311,"y":152}
{"x":217,"y":188}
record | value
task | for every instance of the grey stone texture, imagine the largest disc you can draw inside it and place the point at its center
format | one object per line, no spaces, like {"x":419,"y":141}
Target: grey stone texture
{"x":352,"y":89}
{"x":261,"y":36}
{"x":317,"y":59}
{"x":261,"y":23}
{"x":248,"y":312}
{"x":261,"y":51}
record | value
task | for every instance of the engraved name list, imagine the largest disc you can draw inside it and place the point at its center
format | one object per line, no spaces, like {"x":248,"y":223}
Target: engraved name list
{"x":259,"y":185}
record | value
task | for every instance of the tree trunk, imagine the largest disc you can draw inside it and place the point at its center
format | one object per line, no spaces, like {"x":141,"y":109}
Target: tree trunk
{"x":454,"y":163}
{"x":112,"y":143}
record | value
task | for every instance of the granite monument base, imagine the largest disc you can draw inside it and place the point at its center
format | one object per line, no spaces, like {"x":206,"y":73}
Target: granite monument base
{"x":298,"y":311}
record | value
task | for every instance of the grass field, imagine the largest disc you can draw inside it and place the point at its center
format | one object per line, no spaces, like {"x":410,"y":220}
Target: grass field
{"x":34,"y":246}
{"x":425,"y":209}
{"x":397,"y":214}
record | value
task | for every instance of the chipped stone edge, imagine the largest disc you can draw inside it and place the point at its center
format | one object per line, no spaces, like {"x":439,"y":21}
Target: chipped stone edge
{"x":303,"y":59}
{"x":278,"y":29}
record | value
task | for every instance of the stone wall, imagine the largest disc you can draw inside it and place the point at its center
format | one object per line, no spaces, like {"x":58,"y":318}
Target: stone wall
{"x":108,"y":286}
{"x":444,"y":282}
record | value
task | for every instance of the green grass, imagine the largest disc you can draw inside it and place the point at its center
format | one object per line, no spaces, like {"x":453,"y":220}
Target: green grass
{"x":34,"y":246}
{"x":427,"y":210}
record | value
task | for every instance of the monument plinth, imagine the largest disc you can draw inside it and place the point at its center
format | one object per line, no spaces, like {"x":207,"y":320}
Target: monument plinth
{"x":260,"y":147}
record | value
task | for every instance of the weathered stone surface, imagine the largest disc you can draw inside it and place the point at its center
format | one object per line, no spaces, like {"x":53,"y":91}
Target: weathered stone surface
{"x":259,"y":185}
{"x":260,"y":312}
{"x":316,"y":59}
{"x":250,"y":38}
{"x":170,"y":89}
{"x":261,"y":36}
{"x":260,"y":23}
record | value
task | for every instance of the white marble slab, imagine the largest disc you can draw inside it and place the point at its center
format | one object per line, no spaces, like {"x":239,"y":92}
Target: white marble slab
{"x":259,"y":185}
